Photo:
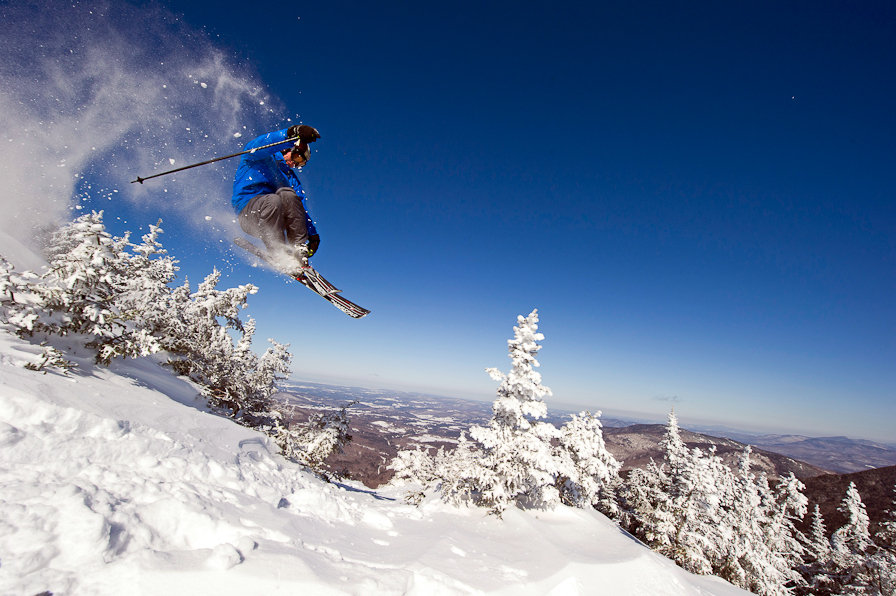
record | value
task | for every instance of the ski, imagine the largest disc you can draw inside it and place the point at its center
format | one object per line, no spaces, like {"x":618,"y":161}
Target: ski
{"x":311,"y":279}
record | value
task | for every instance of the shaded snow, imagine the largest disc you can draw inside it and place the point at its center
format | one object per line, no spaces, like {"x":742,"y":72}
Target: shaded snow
{"x":120,"y":481}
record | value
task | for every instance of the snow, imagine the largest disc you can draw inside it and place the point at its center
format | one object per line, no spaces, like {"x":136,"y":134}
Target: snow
{"x":119,"y":480}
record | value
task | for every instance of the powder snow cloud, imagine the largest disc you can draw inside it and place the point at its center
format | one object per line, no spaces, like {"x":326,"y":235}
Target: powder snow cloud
{"x":94,"y":94}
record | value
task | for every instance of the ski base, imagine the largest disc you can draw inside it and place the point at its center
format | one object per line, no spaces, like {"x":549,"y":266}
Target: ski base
{"x":311,"y":279}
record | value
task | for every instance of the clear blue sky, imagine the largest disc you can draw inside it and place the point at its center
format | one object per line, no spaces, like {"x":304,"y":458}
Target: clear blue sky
{"x":698,"y":197}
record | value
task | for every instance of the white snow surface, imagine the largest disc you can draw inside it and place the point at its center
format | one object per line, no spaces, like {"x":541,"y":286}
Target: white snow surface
{"x":120,"y":481}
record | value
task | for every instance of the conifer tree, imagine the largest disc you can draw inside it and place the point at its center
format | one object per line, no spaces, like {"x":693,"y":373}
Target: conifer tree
{"x":116,"y":297}
{"x":853,"y":537}
{"x":850,"y":544}
{"x":693,"y":502}
{"x":744,"y":560}
{"x":882,"y":566}
{"x":517,"y":458}
{"x":589,"y":467}
{"x":86,"y":266}
{"x":817,"y":563}
{"x":515,"y":448}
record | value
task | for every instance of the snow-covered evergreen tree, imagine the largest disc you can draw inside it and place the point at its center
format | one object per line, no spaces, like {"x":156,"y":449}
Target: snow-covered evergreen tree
{"x":590,"y":466}
{"x":750,"y":553}
{"x":312,"y":442}
{"x":515,"y":452}
{"x":19,"y":301}
{"x":117,"y":298}
{"x":786,"y":507}
{"x":817,"y":566}
{"x":142,"y":298}
{"x":696,"y":511}
{"x":646,"y":507}
{"x":881,"y":567}
{"x":683,"y":523}
{"x":850,"y":545}
{"x":853,"y":538}
{"x":517,"y":459}
{"x":86,"y":266}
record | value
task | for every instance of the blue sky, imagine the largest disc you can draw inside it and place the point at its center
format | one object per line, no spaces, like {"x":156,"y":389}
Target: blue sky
{"x":698,"y":197}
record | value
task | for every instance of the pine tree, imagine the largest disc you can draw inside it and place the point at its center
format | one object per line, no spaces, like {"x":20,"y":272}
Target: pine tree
{"x":850,"y":544}
{"x":853,"y":537}
{"x":589,"y":466}
{"x":817,"y":563}
{"x":693,"y":503}
{"x":86,"y":264}
{"x":19,"y":303}
{"x":746,"y":559}
{"x":517,"y":459}
{"x":313,"y":442}
{"x":886,"y":534}
{"x":515,"y":452}
{"x":787,"y":506}
{"x":881,"y":570}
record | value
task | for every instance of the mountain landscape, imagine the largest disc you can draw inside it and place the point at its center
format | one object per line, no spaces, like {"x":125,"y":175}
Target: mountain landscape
{"x":842,"y":455}
{"x":143,"y":441}
{"x":383,"y":422}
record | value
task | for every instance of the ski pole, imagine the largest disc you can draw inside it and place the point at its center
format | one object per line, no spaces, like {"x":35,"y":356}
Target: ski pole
{"x":213,"y":160}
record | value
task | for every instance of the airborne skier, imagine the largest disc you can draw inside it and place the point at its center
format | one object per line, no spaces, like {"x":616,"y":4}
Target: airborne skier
{"x":269,"y":200}
{"x":270,"y":204}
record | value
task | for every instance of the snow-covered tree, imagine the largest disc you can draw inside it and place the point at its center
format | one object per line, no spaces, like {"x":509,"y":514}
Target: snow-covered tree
{"x":645,"y":506}
{"x":817,"y":566}
{"x":515,"y":461}
{"x":117,"y":297}
{"x":518,"y":459}
{"x":589,"y":466}
{"x":785,"y":507}
{"x":312,"y":442}
{"x":850,"y":545}
{"x":853,"y":538}
{"x":19,"y":300}
{"x":143,"y":299}
{"x":881,"y":567}
{"x":685,"y":522}
{"x":86,"y":264}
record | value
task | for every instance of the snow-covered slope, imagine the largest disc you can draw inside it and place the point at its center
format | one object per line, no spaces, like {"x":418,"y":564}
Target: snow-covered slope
{"x":119,"y":481}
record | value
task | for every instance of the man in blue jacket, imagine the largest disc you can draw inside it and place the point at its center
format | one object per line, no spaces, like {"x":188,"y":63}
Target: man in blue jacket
{"x":268,"y":195}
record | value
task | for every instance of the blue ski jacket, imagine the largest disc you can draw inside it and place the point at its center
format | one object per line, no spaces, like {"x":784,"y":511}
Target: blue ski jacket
{"x":262,"y":172}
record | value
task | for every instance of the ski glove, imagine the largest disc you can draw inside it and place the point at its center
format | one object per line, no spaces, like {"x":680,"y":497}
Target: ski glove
{"x":306,"y":134}
{"x":313,"y":243}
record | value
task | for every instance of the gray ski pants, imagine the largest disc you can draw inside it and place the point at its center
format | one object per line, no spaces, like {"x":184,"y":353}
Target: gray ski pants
{"x":278,"y":219}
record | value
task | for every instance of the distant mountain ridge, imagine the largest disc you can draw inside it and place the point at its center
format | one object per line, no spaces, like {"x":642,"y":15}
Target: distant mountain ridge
{"x":809,"y":456}
{"x":637,"y":444}
{"x":839,"y":454}
{"x":383,"y":422}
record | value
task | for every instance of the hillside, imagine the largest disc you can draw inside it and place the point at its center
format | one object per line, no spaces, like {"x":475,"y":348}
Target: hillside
{"x":875,"y":486}
{"x":118,"y":480}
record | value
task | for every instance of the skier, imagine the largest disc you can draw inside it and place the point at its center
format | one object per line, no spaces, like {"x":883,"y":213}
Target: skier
{"x":268,"y":196}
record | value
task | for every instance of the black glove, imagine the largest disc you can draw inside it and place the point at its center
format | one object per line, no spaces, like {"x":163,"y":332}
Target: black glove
{"x":313,"y":243}
{"x":306,"y":134}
